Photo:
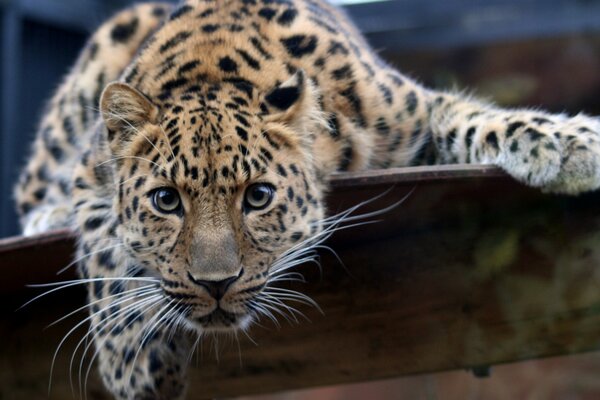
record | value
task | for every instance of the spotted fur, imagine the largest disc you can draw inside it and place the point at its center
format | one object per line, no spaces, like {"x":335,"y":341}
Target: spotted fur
{"x":210,"y":98}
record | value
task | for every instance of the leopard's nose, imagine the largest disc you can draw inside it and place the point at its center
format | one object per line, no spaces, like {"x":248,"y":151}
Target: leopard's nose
{"x":216,"y":289}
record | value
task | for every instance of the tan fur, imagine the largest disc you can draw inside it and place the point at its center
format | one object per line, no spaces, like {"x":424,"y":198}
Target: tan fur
{"x":221,"y":97}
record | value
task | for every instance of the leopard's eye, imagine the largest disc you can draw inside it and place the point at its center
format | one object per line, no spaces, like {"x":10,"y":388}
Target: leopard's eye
{"x":258,"y":196}
{"x":166,"y":200}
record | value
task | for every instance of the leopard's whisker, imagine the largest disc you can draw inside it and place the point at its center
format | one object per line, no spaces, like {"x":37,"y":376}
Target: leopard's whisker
{"x":258,"y":306}
{"x":77,"y":326}
{"x":167,"y":141}
{"x":276,"y":309}
{"x":239,"y":348}
{"x":194,"y":346}
{"x":72,"y":283}
{"x":83,"y":257}
{"x":138,"y":132}
{"x":179,"y":321}
{"x":292,"y":294}
{"x":99,"y":346}
{"x":133,"y":178}
{"x":130,"y":158}
{"x":245,"y":332}
{"x":144,"y":332}
{"x":132,"y":293}
{"x":275,"y":299}
{"x":95,"y":330}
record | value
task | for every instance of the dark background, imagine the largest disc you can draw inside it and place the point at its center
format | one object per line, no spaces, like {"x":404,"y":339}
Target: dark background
{"x":519,"y":52}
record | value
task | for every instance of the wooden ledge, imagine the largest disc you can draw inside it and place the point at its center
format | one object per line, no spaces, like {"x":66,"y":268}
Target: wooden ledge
{"x":473,"y":269}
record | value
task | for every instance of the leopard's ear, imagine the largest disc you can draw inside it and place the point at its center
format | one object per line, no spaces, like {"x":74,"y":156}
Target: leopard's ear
{"x":294,"y":102}
{"x":125,"y":110}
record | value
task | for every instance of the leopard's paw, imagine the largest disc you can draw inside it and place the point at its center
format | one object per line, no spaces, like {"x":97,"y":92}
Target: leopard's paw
{"x":580,"y":162}
{"x":557,"y":154}
{"x":532,"y":157}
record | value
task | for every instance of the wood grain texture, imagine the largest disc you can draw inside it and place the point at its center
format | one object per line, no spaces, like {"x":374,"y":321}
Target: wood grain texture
{"x":471,"y":270}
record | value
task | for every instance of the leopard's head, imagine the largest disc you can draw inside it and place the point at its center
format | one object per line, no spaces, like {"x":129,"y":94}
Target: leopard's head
{"x":217,"y":191}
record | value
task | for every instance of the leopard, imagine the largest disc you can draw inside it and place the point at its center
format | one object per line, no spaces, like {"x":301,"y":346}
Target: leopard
{"x":190,"y":149}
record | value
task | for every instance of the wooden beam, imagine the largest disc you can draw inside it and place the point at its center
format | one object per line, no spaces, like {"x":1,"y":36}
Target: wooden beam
{"x":471,"y":270}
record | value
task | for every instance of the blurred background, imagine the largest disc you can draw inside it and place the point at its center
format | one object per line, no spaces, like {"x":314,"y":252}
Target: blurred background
{"x":529,"y":53}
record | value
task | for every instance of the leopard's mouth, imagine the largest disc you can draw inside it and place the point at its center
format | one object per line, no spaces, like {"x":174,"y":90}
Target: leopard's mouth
{"x":220,"y":320}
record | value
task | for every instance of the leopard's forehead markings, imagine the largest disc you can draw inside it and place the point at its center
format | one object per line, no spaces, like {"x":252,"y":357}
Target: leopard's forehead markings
{"x":205,"y":40}
{"x":214,"y":141}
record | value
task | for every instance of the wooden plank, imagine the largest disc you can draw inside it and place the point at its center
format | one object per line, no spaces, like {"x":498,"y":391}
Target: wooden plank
{"x":471,"y":270}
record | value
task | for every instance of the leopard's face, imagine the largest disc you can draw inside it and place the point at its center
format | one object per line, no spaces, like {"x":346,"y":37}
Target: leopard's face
{"x":213,"y":193}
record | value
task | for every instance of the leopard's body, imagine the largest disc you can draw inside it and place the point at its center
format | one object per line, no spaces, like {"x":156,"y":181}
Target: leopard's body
{"x":214,"y":97}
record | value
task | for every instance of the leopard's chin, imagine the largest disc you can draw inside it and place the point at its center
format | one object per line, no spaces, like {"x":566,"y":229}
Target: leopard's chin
{"x":221,"y":321}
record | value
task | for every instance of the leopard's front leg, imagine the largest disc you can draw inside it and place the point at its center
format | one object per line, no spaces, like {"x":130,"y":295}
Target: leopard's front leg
{"x":142,"y":364}
{"x":140,"y":343}
{"x":554,"y":152}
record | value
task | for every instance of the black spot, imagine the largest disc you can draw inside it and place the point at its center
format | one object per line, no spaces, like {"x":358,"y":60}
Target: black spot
{"x":206,"y":13}
{"x":266,"y":153}
{"x":541,"y":121}
{"x":287,"y":17}
{"x":296,"y":236}
{"x":344,"y":72}
{"x":105,"y":260}
{"x":382,"y":126}
{"x":251,"y":61}
{"x":40,"y":194}
{"x":550,"y":146}
{"x":168,"y":86}
{"x":281,"y":171}
{"x":396,"y":79}
{"x":356,"y":103}
{"x":242,"y":120}
{"x":469,"y":137}
{"x":242,"y":133}
{"x":258,"y":46}
{"x":69,"y":130}
{"x":534,"y":134}
{"x":158,"y":12}
{"x":300,"y":45}
{"x":346,"y":160}
{"x":267,"y":13}
{"x":387,"y":93}
{"x":535,"y":152}
{"x":93,"y":223}
{"x":56,"y":151}
{"x":181,"y":11}
{"x":450,"y":139}
{"x":174,"y":41}
{"x":228,"y":65}
{"x":514,"y":146}
{"x":283,"y":98}
{"x":512,"y":128}
{"x":336,"y":47}
{"x":210,"y":28}
{"x":98,"y":287}
{"x":492,"y":140}
{"x":115,"y":288}
{"x":334,"y":126}
{"x":121,"y":33}
{"x":411,"y":102}
{"x":155,"y":362}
